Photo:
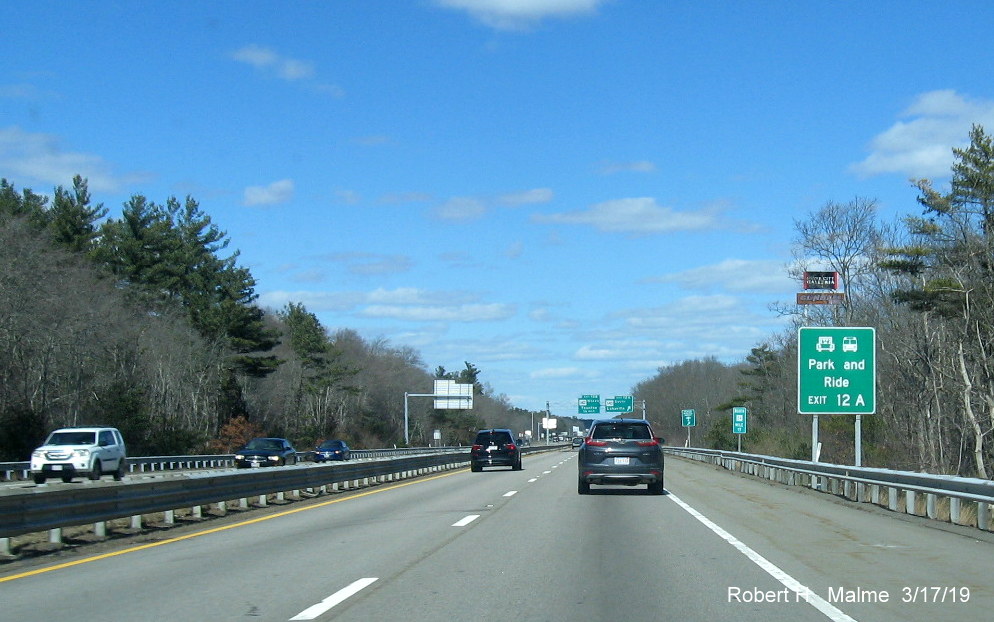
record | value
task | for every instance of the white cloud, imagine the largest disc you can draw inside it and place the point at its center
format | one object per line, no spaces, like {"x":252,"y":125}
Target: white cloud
{"x":736,"y":275}
{"x":559,"y":373}
{"x":285,"y":68}
{"x":266,"y":59}
{"x":527,"y":197}
{"x":461,"y":209}
{"x":921,"y":146}
{"x":636,"y":216}
{"x":638,"y":166}
{"x":277,"y":192}
{"x":520,"y":14}
{"x":456,"y":313}
{"x":34,"y":157}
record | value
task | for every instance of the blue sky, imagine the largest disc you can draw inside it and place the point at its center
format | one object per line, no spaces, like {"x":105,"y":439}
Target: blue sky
{"x":568,"y":194}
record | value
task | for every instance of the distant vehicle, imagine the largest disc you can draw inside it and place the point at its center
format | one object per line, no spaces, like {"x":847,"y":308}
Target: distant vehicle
{"x":71,"y":452}
{"x":577,"y":441}
{"x":261,"y":452}
{"x":494,"y":447}
{"x":849,"y":344}
{"x":332,"y":450}
{"x":825,"y":344}
{"x":621,"y":451}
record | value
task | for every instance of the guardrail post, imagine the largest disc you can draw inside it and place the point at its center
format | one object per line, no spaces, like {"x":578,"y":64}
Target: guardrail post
{"x":222,"y":507}
{"x":892,"y":499}
{"x":169,"y":517}
{"x":909,"y":501}
{"x":5,"y":547}
{"x":136,"y":521}
{"x":263,"y":501}
{"x":55,"y":535}
{"x":100,"y":529}
{"x":196,"y":512}
{"x":983,"y":516}
{"x":930,"y":509}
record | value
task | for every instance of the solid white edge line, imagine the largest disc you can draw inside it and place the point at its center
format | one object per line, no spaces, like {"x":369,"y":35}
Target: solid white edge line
{"x":465,"y":521}
{"x":315,"y":610}
{"x":806,"y":595}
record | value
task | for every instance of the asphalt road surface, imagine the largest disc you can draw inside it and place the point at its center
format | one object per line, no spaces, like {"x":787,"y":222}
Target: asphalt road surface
{"x":523,"y":545}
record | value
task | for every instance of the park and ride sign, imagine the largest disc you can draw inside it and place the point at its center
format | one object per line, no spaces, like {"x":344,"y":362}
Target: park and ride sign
{"x":836,"y":371}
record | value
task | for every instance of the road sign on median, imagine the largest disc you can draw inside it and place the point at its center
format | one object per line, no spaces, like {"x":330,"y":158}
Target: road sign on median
{"x":836,"y":371}
{"x":689,"y":418}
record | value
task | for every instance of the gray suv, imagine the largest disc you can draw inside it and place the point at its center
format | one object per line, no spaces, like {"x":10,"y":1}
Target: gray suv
{"x":621,"y":451}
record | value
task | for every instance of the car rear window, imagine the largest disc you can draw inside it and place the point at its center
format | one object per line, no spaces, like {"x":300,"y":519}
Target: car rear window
{"x":493,"y":438}
{"x":635,"y":431}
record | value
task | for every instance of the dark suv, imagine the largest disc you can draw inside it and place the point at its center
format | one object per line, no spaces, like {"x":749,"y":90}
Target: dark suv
{"x":494,"y":448}
{"x":621,"y":451}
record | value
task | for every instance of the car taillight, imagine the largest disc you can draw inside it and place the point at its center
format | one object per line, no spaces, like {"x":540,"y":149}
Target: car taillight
{"x":647,"y":443}
{"x":510,"y":447}
{"x":475,"y":447}
{"x":592,"y":443}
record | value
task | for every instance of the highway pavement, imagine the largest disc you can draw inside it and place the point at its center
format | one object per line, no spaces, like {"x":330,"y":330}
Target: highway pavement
{"x":523,"y":545}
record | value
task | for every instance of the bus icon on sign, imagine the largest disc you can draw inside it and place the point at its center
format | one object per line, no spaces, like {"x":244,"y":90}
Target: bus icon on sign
{"x":849,"y":344}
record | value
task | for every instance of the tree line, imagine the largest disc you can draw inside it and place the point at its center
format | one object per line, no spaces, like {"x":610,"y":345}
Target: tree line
{"x":926,"y":284}
{"x":147,"y":322}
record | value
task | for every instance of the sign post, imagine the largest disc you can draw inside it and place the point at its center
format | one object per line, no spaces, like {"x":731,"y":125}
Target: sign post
{"x":740,"y":423}
{"x":689,"y":419}
{"x":836,"y":375}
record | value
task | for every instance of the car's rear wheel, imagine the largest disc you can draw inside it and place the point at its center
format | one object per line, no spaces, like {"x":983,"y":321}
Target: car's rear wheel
{"x":475,"y":467}
{"x":582,"y":487}
{"x":121,"y":468}
{"x":656,"y":488}
{"x":517,"y":465}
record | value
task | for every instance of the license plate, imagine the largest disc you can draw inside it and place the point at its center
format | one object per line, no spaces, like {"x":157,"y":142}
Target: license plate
{"x":56,"y":467}
{"x":492,"y":448}
{"x":621,"y":461}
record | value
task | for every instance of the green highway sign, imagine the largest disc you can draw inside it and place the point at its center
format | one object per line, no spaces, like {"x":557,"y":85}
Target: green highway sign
{"x":620,"y":404}
{"x":836,"y":371}
{"x":589,"y":405}
{"x":740,"y":420}
{"x":689,"y":418}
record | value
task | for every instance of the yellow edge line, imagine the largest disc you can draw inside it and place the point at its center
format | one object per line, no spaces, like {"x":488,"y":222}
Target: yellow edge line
{"x":250,"y":521}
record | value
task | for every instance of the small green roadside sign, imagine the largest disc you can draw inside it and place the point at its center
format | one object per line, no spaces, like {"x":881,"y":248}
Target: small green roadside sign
{"x":740,"y":420}
{"x":688,"y":417}
{"x":836,"y":371}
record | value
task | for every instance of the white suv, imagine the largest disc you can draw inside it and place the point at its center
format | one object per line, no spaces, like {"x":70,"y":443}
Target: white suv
{"x":69,"y":452}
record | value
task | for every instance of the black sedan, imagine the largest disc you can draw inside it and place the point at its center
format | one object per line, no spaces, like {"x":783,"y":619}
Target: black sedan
{"x":260,"y":452}
{"x":331,"y":450}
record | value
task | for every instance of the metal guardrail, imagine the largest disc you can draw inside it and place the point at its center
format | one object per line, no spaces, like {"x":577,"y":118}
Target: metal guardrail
{"x":15,"y":471}
{"x":38,"y":508}
{"x":943,"y":495}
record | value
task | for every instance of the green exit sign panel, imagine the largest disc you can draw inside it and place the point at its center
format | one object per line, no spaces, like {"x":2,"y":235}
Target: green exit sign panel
{"x":688,"y":417}
{"x":589,"y":405}
{"x":836,"y":371}
{"x":620,"y":404}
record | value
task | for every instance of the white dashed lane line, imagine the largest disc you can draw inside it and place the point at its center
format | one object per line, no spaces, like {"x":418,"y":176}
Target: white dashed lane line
{"x":316,"y":610}
{"x":465,"y":521}
{"x":510,"y":493}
